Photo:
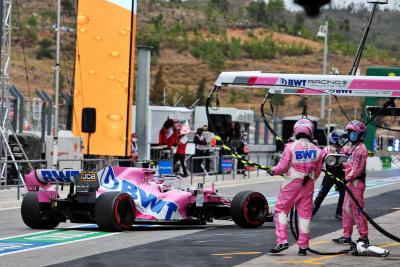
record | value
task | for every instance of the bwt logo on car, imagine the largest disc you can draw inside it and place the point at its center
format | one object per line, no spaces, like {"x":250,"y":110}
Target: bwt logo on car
{"x":292,"y":82}
{"x":55,"y":176}
{"x":146,"y":203}
{"x":305,"y":154}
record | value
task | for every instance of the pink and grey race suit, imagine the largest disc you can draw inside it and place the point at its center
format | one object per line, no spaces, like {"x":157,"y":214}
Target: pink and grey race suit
{"x":355,"y":175}
{"x":299,"y":160}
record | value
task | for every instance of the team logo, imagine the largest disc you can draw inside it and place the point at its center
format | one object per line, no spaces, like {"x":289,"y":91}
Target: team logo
{"x":146,"y":202}
{"x":293,"y":82}
{"x":303,"y":155}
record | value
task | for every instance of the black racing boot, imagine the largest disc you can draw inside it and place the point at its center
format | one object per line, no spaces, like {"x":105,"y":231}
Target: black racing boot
{"x":364,"y":239}
{"x":342,"y":240}
{"x":302,"y":252}
{"x":279,"y":247}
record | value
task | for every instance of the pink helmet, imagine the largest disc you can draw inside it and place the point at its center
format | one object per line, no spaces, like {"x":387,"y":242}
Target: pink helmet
{"x":304,"y":126}
{"x":356,"y":126}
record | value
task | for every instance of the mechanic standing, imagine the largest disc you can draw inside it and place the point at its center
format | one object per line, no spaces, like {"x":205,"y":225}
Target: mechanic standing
{"x":355,"y":177}
{"x":336,"y":140}
{"x":301,"y":161}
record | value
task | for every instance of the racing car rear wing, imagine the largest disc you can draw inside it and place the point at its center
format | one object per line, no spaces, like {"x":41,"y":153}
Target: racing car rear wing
{"x":310,"y":84}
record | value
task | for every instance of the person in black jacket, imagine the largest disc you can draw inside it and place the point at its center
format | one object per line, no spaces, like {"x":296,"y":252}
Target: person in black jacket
{"x":336,"y":139}
{"x":200,"y":143}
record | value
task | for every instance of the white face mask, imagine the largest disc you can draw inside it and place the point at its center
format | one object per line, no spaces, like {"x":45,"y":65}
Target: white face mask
{"x":170,"y":131}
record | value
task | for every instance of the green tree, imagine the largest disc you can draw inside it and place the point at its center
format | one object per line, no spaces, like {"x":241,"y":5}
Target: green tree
{"x":246,"y":97}
{"x":201,"y":91}
{"x":67,"y":7}
{"x":158,"y":22}
{"x":216,"y":60}
{"x":274,"y":10}
{"x":188,"y":97}
{"x":32,"y":22}
{"x":299,"y":23}
{"x":233,"y":96}
{"x":278,"y":100}
{"x":45,"y":50}
{"x":157,"y":91}
{"x":221,"y":5}
{"x":235,"y":49}
{"x":256,"y":11}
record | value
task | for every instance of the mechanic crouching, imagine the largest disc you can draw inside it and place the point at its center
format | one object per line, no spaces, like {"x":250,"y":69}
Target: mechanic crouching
{"x":301,"y":161}
{"x":355,"y":177}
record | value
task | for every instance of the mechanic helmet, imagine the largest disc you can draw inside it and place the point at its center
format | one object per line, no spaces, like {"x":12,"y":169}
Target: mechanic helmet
{"x":356,"y":130}
{"x":304,"y":126}
{"x":336,"y":137}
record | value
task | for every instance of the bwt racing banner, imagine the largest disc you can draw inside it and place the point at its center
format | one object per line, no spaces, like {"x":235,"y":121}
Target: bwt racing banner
{"x":309,"y":84}
{"x":104,"y":72}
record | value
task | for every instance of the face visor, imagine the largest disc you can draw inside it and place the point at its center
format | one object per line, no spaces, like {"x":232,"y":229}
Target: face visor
{"x":353,"y":136}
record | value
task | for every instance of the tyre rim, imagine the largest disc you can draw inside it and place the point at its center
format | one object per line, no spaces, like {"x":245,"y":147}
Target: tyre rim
{"x":255,"y":208}
{"x":124,"y":213}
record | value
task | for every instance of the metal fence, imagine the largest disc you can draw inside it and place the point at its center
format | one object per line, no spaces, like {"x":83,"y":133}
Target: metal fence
{"x":201,"y":168}
{"x":226,"y":167}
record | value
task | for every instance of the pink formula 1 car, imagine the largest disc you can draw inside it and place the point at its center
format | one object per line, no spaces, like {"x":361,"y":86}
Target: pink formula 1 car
{"x":115,"y":198}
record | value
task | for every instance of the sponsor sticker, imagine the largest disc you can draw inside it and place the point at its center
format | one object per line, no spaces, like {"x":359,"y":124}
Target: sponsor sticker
{"x":88,"y":177}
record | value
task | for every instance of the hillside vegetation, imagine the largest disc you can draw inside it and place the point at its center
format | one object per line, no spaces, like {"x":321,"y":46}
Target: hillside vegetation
{"x":194,"y":40}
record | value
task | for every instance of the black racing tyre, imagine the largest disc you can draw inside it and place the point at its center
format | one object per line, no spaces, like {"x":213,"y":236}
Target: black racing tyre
{"x":249,"y":209}
{"x":115,"y":211}
{"x":37,"y":215}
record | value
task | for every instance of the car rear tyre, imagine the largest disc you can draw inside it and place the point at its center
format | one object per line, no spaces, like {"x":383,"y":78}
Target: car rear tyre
{"x":115,"y":211}
{"x":249,"y":209}
{"x":37,"y":215}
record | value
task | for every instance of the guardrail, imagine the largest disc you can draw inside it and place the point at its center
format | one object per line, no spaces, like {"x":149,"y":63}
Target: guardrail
{"x":228,"y":167}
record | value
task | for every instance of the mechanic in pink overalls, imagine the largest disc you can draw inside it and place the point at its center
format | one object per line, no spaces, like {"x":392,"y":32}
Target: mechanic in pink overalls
{"x":355,"y":176}
{"x":301,"y":162}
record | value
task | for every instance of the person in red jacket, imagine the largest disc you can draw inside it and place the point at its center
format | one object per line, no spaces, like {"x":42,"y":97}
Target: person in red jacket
{"x":168,"y":135}
{"x":181,"y":150}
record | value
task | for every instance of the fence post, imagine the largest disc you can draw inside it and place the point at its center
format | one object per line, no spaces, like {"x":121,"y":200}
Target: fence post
{"x":191,"y":170}
{"x":248,"y":170}
{"x":222,"y":169}
{"x":216,"y":167}
{"x":234,"y":168}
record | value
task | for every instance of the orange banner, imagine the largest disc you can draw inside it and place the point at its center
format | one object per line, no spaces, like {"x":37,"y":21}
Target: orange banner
{"x":104,"y":73}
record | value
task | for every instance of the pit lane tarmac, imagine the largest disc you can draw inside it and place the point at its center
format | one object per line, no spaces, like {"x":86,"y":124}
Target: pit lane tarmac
{"x":222,"y":246}
{"x":217,"y":244}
